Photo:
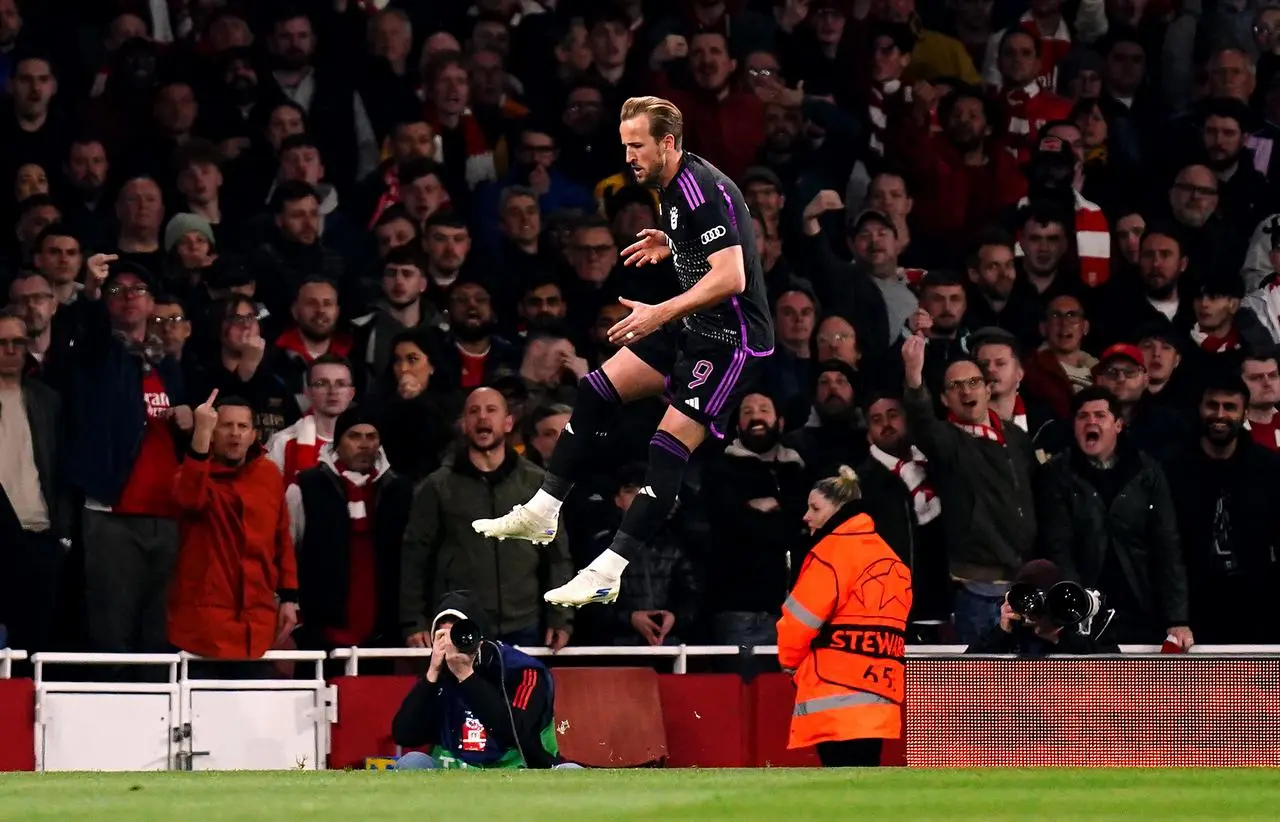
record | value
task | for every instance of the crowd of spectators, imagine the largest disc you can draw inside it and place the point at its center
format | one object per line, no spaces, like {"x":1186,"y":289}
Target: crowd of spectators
{"x":390,"y":231}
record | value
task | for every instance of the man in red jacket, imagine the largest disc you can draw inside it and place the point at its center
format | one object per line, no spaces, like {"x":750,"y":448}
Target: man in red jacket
{"x":235,"y":591}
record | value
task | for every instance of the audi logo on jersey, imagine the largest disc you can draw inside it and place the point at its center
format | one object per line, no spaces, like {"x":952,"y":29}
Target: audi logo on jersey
{"x":714,"y":234}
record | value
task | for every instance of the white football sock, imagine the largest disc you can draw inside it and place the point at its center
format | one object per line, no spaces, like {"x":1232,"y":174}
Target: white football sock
{"x":610,"y":563}
{"x":544,"y":505}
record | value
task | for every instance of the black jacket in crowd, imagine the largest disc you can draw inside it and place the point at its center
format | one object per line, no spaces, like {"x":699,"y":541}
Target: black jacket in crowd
{"x":662,"y":578}
{"x":1226,"y":516}
{"x":324,"y":552}
{"x":922,"y":547}
{"x":757,"y":554}
{"x":1116,"y":530}
{"x":988,"y":505}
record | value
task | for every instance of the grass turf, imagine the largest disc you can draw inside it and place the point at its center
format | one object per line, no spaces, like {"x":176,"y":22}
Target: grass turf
{"x":891,"y":794}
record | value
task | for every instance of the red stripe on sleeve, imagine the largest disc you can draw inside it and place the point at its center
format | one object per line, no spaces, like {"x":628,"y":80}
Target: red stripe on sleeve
{"x":526,"y":689}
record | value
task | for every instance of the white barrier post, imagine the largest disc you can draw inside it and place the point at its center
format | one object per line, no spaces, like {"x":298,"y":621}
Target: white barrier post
{"x":8,"y":656}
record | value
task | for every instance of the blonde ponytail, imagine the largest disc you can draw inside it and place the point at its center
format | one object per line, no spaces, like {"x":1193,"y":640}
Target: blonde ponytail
{"x":842,"y":488}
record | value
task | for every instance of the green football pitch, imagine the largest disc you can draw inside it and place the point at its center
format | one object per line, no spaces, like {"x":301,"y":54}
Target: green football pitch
{"x":891,"y":795}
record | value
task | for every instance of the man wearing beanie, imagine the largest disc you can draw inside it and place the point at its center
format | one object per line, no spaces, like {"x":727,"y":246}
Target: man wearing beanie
{"x":834,"y":434}
{"x":181,"y":227}
{"x":487,"y":707}
{"x":347,"y":516}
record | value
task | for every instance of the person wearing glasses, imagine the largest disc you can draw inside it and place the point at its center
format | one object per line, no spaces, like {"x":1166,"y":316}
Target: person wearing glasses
{"x":169,"y":322}
{"x":32,"y":298}
{"x":330,"y":390}
{"x":981,"y":468}
{"x":1060,"y":367}
{"x":34,"y":517}
{"x":1151,"y":426}
{"x":235,"y":363}
{"x":124,"y":441}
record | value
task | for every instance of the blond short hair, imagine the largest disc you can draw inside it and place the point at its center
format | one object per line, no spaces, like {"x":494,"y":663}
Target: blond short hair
{"x":664,"y":117}
{"x":841,"y":489}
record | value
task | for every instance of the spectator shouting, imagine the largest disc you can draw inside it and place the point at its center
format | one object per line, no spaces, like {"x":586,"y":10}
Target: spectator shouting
{"x":983,"y":468}
{"x":1107,"y":520}
{"x":442,"y":552}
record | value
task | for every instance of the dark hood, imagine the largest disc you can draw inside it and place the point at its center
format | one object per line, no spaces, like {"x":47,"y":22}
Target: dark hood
{"x":463,"y":605}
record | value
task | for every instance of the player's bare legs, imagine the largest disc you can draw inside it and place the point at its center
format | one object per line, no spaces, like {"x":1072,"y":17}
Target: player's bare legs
{"x":622,"y":379}
{"x":676,"y":438}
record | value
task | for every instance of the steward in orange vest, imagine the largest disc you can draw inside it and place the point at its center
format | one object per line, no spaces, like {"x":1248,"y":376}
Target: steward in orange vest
{"x":843,"y":631}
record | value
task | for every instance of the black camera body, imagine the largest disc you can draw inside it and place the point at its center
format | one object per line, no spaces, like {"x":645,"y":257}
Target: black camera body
{"x":1065,"y":604}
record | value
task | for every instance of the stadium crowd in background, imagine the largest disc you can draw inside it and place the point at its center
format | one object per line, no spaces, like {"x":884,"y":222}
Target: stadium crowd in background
{"x":387,"y":235}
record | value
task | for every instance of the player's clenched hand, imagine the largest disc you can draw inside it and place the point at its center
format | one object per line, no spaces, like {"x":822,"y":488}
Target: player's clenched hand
{"x":652,"y":247}
{"x":643,"y":320}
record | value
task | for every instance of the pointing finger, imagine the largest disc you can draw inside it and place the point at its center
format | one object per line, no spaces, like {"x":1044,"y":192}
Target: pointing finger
{"x":110,"y":258}
{"x":212,"y":396}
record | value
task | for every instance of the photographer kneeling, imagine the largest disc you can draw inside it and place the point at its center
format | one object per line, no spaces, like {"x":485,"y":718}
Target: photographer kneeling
{"x":1035,"y":623}
{"x":486,"y":705}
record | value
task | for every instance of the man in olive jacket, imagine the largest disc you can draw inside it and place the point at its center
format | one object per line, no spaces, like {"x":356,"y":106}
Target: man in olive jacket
{"x":1107,"y":520}
{"x":982,"y":469}
{"x":442,"y":552}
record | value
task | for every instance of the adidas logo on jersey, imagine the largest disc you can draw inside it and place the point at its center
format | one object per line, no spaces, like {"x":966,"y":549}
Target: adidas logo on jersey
{"x":647,"y":491}
{"x":568,"y":428}
{"x":694,"y":403}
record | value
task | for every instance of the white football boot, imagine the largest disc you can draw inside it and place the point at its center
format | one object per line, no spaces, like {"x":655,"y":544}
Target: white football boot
{"x":518,"y":523}
{"x":587,"y":587}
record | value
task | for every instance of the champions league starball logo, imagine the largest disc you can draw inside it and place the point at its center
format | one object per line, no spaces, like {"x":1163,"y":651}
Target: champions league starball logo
{"x":675,"y":216}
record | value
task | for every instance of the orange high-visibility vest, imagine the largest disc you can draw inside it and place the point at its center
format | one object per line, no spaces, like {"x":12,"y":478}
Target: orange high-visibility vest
{"x":843,"y":631}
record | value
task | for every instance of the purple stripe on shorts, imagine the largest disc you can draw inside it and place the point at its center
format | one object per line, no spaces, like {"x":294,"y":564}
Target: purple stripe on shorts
{"x":726,"y":385}
{"x":693,"y":188}
{"x":670,"y":444}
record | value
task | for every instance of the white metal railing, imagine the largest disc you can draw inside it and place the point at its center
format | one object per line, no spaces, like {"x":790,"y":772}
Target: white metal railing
{"x":682,"y":653}
{"x":178,"y":662}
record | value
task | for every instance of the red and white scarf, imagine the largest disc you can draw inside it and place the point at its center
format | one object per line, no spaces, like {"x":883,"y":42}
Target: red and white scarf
{"x":359,"y":488}
{"x":302,"y":449}
{"x":1053,"y":48}
{"x":994,"y":431}
{"x":1019,"y":413}
{"x":914,"y":474}
{"x":480,"y":165}
{"x":1093,"y":241}
{"x":390,"y":194}
{"x":886,"y":101}
{"x":1216,"y":345}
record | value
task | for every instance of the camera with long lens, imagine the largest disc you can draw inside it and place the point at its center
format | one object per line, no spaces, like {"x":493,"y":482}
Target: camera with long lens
{"x":1065,"y":604}
{"x":466,"y":636}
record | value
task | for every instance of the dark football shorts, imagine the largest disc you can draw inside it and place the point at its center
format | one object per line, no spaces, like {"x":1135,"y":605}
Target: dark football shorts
{"x":705,"y":379}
